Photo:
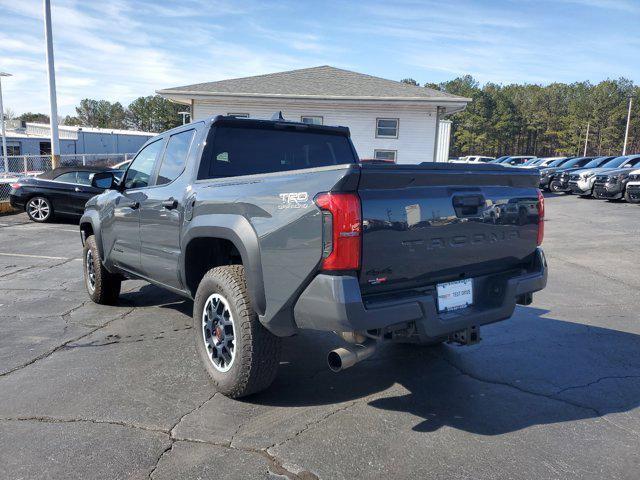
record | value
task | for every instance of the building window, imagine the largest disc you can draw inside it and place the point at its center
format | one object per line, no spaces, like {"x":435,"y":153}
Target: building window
{"x":45,"y":148}
{"x":386,"y":155}
{"x":238,"y":115}
{"x":311,"y":119}
{"x":13,"y":150}
{"x":387,"y":127}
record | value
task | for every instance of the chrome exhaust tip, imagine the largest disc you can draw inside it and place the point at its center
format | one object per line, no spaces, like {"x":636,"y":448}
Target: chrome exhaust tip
{"x":345,"y":357}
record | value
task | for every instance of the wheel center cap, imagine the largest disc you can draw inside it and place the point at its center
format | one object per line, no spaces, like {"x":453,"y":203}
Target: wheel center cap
{"x":219,"y":333}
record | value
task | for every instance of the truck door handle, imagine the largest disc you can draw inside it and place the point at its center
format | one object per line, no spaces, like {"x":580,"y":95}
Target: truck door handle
{"x":134,"y":205}
{"x":77,"y":189}
{"x":170,"y":203}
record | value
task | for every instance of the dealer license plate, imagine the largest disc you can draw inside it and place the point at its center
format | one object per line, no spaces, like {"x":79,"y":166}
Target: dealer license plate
{"x":455,"y":295}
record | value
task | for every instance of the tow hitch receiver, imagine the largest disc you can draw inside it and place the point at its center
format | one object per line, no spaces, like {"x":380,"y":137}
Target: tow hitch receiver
{"x":468,"y":336}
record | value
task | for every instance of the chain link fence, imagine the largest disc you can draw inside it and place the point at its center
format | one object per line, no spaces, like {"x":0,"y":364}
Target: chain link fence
{"x":14,"y":167}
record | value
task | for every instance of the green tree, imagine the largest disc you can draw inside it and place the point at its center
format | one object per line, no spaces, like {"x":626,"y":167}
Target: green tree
{"x":543,"y":120}
{"x":410,"y":81}
{"x":154,"y":114}
{"x":100,"y":114}
{"x":34,"y":117}
{"x":71,"y":121}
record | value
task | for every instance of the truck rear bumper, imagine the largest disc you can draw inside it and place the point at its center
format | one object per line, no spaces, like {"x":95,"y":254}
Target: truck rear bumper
{"x":334,"y":303}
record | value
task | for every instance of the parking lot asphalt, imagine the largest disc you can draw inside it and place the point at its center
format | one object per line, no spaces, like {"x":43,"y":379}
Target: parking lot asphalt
{"x":88,"y":391}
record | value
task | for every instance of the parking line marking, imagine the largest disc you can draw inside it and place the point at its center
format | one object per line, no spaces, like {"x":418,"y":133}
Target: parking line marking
{"x":33,"y":256}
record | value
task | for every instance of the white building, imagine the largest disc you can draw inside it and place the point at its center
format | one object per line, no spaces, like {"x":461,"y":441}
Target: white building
{"x":388,"y":120}
{"x":35,"y":139}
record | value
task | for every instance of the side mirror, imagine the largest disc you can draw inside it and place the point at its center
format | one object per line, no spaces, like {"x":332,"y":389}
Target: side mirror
{"x":103,"y":180}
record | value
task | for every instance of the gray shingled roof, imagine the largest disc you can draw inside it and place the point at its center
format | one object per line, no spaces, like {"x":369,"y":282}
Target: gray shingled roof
{"x":322,"y":82}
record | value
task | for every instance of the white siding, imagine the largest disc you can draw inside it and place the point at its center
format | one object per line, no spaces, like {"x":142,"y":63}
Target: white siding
{"x":444,"y":140}
{"x":416,"y":134}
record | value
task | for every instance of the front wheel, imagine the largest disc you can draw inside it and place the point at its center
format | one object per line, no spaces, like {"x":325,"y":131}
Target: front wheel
{"x":103,"y":287}
{"x":239,"y":354}
{"x":554,"y":187}
{"x":39,"y":209}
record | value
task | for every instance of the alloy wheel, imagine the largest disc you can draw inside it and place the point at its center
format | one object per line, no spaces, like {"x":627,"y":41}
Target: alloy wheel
{"x":38,"y":209}
{"x":91,"y":271}
{"x":218,"y":332}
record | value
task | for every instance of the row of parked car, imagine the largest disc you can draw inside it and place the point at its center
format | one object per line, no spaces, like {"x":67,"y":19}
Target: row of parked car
{"x":605,"y":177}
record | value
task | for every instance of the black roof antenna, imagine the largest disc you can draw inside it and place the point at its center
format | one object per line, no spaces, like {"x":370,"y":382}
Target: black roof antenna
{"x":277,"y":116}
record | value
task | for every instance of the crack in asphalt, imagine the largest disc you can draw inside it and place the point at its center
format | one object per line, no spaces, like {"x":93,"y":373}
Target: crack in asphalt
{"x":554,"y":396}
{"x":274,"y":464}
{"x":516,"y":387}
{"x":63,"y":345}
{"x":589,"y":384}
{"x":598,"y":273}
{"x":162,"y":454}
{"x":47,"y":419}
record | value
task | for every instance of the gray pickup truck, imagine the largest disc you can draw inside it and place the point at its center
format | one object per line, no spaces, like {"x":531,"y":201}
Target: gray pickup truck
{"x":273,"y":226}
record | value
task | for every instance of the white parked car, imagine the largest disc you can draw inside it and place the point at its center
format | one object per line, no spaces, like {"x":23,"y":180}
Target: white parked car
{"x":633,"y":187}
{"x":472,"y":159}
{"x":479,"y":159}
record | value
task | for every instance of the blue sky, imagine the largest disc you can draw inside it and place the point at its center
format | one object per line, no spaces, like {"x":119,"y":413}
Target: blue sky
{"x":121,"y":49}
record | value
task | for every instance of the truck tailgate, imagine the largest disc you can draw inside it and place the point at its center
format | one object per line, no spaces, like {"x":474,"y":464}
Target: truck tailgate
{"x":439,"y":222}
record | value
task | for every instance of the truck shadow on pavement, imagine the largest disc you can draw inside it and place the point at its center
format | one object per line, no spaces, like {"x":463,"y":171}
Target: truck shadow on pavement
{"x":530,"y":370}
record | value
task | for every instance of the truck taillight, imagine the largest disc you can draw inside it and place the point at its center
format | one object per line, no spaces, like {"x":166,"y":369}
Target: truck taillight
{"x":540,"y":217}
{"x":341,"y":224}
{"x":16,"y":186}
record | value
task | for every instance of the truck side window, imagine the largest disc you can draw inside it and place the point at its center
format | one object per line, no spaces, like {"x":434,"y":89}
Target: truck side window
{"x":175,"y":157}
{"x":139,"y":173}
{"x":248,"y":151}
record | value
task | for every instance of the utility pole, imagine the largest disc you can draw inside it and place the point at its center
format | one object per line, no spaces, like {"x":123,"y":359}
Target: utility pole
{"x":626,"y":130}
{"x":53,"y":104}
{"x":2,"y":129}
{"x":586,"y":140}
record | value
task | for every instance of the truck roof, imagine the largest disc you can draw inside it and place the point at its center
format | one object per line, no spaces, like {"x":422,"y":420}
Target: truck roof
{"x":261,"y":123}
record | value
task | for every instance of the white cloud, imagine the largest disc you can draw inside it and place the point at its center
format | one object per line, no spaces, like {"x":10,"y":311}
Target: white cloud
{"x":621,"y":5}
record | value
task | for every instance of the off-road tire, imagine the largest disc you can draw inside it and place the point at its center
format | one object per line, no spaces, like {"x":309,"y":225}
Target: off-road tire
{"x":106,"y":288}
{"x":257,"y":351}
{"x":33,"y":212}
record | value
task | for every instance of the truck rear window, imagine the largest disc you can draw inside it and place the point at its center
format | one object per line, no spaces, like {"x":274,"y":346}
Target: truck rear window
{"x":247,"y":151}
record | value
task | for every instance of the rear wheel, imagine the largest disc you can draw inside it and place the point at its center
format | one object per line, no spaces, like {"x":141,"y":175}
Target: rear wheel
{"x":239,"y":354}
{"x":39,"y":209}
{"x":103,"y":287}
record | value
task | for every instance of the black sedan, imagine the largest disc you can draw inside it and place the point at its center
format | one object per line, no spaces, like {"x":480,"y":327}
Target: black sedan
{"x":63,"y":191}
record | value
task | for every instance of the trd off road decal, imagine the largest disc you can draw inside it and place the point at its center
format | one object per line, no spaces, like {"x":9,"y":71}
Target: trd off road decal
{"x":294,"y":200}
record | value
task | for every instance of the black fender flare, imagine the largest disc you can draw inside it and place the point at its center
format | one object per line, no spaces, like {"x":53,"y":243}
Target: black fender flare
{"x":92,"y":218}
{"x":237,"y":230}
